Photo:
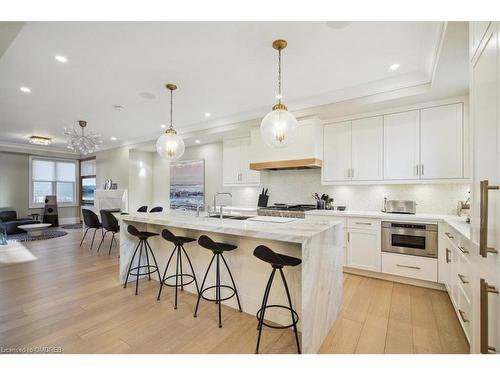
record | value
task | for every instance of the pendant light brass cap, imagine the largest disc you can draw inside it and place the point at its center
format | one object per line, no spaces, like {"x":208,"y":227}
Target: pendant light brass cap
{"x":170,"y":131}
{"x":279,"y":44}
{"x":171,"y":86}
{"x":280,"y":106}
{"x":82,"y":123}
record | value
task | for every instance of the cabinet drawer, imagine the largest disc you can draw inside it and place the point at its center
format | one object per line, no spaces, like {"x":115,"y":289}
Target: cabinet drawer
{"x":464,"y":311}
{"x":463,"y":274}
{"x":363,"y":223}
{"x":410,"y":266}
{"x":458,"y":241}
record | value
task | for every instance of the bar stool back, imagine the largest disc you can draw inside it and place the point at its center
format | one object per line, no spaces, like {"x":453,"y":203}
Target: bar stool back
{"x":277,"y":262}
{"x":218,"y":249}
{"x":157,"y":209}
{"x":110,"y":224}
{"x":142,"y":209}
{"x":143,"y":245}
{"x":91,"y":221}
{"x":178,"y":242}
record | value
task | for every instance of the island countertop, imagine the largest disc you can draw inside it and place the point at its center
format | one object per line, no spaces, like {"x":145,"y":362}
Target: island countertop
{"x":297,"y":231}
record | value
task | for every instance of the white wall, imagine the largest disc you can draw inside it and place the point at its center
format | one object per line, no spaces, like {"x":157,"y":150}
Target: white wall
{"x":297,"y":186}
{"x":140,"y":186}
{"x":113,"y":164}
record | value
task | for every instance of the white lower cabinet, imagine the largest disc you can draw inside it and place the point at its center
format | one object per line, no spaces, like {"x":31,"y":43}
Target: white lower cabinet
{"x":363,"y":247}
{"x":410,"y":266}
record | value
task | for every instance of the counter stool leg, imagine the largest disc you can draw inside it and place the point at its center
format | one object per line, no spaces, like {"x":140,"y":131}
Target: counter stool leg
{"x":176,"y":277}
{"x":154,"y":260}
{"x":202,"y":284}
{"x":111,"y":243}
{"x":162,"y":280}
{"x":86,"y":230}
{"x":102,"y":240}
{"x":263,"y":310}
{"x":92,"y":243}
{"x":218,"y":298}
{"x":192,"y":269}
{"x":147,"y":258}
{"x":180,"y":262}
{"x":130,"y":265}
{"x":232,"y":280}
{"x":266,"y":292}
{"x":138,"y":269}
{"x":291,"y":310}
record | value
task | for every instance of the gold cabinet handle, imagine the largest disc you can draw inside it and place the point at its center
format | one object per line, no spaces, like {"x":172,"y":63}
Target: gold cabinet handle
{"x":484,"y":289}
{"x":462,"y":279}
{"x":448,"y":251}
{"x":462,"y":249}
{"x":448,"y":234}
{"x":405,"y":266}
{"x":483,"y":219}
{"x":462,"y":316}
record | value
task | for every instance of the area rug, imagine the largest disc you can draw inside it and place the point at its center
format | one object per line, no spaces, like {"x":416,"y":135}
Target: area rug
{"x":72,"y":226}
{"x":49,"y":233}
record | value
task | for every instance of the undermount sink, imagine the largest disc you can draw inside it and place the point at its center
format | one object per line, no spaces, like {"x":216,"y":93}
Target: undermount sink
{"x":233,"y":217}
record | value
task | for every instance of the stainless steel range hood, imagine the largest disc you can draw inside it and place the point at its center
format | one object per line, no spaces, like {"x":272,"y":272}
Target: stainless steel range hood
{"x":310,"y":163}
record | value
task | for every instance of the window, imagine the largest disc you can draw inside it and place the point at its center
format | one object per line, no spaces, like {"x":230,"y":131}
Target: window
{"x":52,"y":177}
{"x":87,"y":181}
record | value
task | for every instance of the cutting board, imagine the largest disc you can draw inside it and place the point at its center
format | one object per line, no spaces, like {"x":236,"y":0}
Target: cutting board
{"x":272,"y":219}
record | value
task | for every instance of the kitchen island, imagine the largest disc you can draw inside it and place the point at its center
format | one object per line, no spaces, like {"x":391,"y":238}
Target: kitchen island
{"x":315,"y":285}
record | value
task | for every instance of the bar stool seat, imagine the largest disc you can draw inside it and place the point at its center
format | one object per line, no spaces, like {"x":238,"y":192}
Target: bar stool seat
{"x":179,"y":249}
{"x":143,"y":245}
{"x":277,"y":262}
{"x":218,"y":249}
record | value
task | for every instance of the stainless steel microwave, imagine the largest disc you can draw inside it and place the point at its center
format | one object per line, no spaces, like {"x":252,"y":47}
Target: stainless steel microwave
{"x":410,"y":238}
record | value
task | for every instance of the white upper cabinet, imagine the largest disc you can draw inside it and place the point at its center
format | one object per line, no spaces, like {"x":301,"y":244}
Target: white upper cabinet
{"x":477,"y":30}
{"x":401,"y":146}
{"x":337,"y":152}
{"x":367,"y":149}
{"x":236,"y":160}
{"x":441,"y":142}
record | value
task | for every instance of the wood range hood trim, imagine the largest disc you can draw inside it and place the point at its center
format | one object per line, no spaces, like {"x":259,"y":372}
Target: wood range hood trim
{"x":310,"y":163}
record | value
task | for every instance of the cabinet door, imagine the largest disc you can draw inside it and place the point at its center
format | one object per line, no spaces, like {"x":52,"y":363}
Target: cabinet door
{"x":247,"y":175}
{"x":441,"y":142}
{"x":337,"y":152}
{"x":231,"y":161}
{"x":401,"y":146}
{"x":363,"y":249}
{"x":477,"y":31}
{"x":367,"y":149}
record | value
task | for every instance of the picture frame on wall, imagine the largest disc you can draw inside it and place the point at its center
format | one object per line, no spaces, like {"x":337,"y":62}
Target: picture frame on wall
{"x":187,"y":184}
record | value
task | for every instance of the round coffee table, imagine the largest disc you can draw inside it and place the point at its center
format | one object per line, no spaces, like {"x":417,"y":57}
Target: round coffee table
{"x":34,"y":230}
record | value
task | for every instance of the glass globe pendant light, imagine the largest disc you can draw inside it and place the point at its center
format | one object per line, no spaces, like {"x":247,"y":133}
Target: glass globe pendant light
{"x":279,"y":126}
{"x":169,"y":145}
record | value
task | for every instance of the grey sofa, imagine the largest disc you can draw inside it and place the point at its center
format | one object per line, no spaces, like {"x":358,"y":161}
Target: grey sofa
{"x":11,"y":221}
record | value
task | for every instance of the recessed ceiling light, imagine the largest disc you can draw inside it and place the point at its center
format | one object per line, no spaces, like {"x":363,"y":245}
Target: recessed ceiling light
{"x":37,"y":140}
{"x":394,"y":67}
{"x":25,"y":89}
{"x":207,"y":114}
{"x":113,"y":138}
{"x":118,"y":107}
{"x":61,"y":59}
{"x":163,"y":126}
{"x":197,"y":141}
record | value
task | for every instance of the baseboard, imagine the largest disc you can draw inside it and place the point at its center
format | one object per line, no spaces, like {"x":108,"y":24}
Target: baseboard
{"x":395,"y":278}
{"x":68,"y":220}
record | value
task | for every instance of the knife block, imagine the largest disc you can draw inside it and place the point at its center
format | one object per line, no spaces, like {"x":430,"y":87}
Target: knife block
{"x":263,"y":199}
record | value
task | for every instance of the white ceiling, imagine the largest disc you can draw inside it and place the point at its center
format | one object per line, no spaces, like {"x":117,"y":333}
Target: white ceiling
{"x":227,"y":69}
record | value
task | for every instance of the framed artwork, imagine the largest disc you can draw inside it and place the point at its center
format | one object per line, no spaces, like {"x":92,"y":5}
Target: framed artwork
{"x":187,"y":184}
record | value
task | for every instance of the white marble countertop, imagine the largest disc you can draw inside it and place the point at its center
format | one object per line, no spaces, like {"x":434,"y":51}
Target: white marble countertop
{"x":457,"y":222}
{"x":297,"y":231}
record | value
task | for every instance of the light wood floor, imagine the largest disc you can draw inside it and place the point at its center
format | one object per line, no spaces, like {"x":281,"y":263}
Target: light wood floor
{"x":70,"y":298}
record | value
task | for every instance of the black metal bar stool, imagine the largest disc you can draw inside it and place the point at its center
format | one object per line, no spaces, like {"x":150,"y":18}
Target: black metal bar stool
{"x":277,"y":261}
{"x":178,"y":242}
{"x":142,"y":245}
{"x":217,"y":249}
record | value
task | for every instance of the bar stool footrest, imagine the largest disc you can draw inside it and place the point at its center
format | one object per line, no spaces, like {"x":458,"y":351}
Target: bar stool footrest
{"x":178,"y":278}
{"x":151,"y":269}
{"x":295,"y":316}
{"x":220,"y":299}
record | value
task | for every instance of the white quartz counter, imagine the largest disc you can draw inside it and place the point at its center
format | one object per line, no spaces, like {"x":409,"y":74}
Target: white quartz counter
{"x":297,"y":231}
{"x":456,"y":222}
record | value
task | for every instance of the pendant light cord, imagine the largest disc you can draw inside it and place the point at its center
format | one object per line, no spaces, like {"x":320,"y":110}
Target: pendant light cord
{"x":171,"y":105}
{"x":279,"y":76}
